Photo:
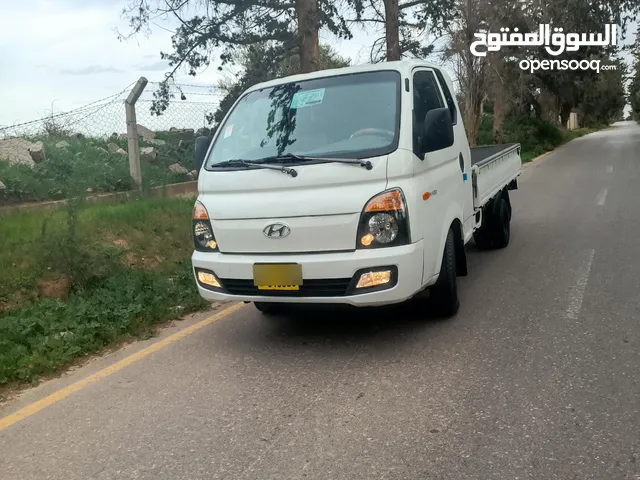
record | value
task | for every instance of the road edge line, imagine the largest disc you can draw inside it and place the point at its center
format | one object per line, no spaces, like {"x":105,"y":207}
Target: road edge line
{"x":58,"y":395}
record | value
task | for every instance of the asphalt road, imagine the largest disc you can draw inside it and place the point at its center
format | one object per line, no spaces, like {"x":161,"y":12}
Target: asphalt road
{"x":536,"y":377}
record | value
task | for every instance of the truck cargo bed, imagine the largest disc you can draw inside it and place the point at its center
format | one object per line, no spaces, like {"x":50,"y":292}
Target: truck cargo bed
{"x":493,"y":167}
{"x":480,"y":155}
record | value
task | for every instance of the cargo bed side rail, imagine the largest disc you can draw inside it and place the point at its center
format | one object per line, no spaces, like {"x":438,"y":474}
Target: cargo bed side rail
{"x":490,"y":175}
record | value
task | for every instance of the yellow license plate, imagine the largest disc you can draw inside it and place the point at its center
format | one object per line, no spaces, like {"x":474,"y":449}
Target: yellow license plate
{"x":278,"y":287}
{"x":277,"y":276}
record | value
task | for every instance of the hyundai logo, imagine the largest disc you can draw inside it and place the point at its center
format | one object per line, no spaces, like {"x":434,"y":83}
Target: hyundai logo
{"x":276,"y":230}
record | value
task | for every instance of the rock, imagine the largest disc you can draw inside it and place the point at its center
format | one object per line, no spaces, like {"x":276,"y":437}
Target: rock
{"x":193,"y":174}
{"x":157,"y":141}
{"x":113,"y":147}
{"x":57,"y":288}
{"x":123,"y":137}
{"x":100,"y":149}
{"x":148,"y":154}
{"x":16,"y":151}
{"x":62,"y":144}
{"x":36,"y":151}
{"x":145,"y":133}
{"x":121,"y":151}
{"x":177,"y":168}
{"x":89,"y":190}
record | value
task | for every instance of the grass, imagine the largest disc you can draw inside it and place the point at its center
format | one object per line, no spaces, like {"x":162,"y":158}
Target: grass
{"x":534,"y":135}
{"x":128,"y":266}
{"x":88,"y":159}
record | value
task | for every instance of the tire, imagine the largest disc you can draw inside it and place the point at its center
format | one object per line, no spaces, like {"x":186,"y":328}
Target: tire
{"x":269,"y":308}
{"x":443,"y":296}
{"x":502,"y":229}
{"x":495,"y":231}
{"x":482,"y":237}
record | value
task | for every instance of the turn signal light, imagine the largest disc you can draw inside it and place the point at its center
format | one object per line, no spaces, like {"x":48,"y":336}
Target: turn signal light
{"x":199,"y":212}
{"x":367,"y":239}
{"x":372,"y":279}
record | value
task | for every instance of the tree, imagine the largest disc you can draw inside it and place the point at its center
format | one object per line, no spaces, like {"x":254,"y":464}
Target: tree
{"x":603,"y":98}
{"x":406,"y":25}
{"x":231,"y":25}
{"x":634,"y":90}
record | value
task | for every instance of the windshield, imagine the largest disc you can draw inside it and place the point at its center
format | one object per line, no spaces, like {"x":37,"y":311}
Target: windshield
{"x":344,"y":116}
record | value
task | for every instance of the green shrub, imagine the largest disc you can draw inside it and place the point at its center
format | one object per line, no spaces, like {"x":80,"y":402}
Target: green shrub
{"x":535,"y":136}
{"x":50,"y":334}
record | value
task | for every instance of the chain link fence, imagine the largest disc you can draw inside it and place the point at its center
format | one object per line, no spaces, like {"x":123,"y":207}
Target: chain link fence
{"x":89,"y":150}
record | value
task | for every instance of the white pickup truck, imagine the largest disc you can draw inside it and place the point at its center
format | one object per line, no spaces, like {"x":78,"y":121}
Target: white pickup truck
{"x":347,"y":186}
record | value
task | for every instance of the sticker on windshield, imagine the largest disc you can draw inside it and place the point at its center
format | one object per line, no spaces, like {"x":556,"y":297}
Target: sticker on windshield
{"x":228,"y":130}
{"x":307,"y":99}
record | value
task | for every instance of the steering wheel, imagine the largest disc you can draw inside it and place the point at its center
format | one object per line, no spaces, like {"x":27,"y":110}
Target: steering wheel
{"x":372,"y":131}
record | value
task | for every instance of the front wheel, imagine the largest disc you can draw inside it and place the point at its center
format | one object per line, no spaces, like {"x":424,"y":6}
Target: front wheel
{"x":269,"y":308}
{"x":443,"y":296}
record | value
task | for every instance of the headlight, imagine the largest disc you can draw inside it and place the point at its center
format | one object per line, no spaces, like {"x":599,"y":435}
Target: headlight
{"x":203,"y":238}
{"x":384,"y":221}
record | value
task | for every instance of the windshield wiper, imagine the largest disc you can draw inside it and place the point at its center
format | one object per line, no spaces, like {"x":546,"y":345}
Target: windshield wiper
{"x":303,"y":158}
{"x":258,"y":164}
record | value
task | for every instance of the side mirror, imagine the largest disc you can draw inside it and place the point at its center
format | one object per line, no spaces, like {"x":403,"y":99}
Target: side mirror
{"x":437,"y":131}
{"x":202,"y":145}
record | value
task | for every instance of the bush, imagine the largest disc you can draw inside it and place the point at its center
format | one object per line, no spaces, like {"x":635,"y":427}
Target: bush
{"x":535,"y":136}
{"x":50,"y":334}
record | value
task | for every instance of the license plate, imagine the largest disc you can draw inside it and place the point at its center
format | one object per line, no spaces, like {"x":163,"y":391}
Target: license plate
{"x":277,"y":276}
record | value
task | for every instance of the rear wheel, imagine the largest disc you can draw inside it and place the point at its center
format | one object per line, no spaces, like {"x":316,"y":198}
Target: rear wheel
{"x":443,"y":296}
{"x":495,"y":231}
{"x":502,"y":230}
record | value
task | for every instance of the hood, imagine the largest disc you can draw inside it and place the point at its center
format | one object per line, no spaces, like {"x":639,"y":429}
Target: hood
{"x":320,"y":207}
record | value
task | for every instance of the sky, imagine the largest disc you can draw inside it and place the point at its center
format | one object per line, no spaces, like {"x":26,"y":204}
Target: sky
{"x":62,"y":54}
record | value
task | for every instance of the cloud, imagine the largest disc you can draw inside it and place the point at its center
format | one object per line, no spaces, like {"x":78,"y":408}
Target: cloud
{"x":158,"y":66}
{"x":90,"y":70}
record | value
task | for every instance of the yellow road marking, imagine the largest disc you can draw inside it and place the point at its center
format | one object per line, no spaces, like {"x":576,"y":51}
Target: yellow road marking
{"x":125,"y":362}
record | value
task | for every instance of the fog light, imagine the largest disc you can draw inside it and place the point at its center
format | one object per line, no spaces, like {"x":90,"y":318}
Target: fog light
{"x":208,"y":279}
{"x":372,"y":279}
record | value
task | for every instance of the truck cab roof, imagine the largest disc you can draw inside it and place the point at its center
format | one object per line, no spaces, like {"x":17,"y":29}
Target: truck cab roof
{"x":402,"y":66}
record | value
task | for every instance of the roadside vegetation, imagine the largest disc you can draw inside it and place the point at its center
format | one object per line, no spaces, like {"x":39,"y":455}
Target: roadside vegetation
{"x":78,"y":280}
{"x":102,"y":170}
{"x":535,"y":136}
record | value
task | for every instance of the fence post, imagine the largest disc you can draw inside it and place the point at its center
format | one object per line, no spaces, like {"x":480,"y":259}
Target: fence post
{"x":132,"y":130}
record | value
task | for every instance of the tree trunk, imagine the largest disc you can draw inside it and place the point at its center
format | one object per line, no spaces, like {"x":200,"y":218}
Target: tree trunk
{"x":499,"y":108}
{"x":391,"y":13}
{"x":548,"y":107}
{"x":307,"y":12}
{"x":472,"y":114}
{"x":565,"y":112}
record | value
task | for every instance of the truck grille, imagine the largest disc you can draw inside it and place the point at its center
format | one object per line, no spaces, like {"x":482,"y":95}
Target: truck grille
{"x":331,"y":287}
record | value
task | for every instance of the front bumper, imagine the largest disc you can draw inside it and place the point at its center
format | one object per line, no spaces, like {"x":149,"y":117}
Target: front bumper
{"x":327,"y":277}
